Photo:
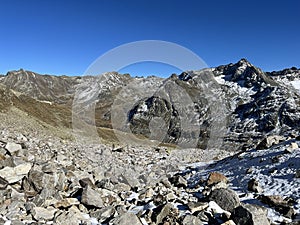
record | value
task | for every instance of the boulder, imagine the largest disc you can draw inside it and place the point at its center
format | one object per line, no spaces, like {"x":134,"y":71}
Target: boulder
{"x":129,"y":177}
{"x":163,"y":212}
{"x":103,"y":214}
{"x":149,"y":193}
{"x":14,"y":174}
{"x":6,"y":162}
{"x":215,"y":212}
{"x":12,"y":147}
{"x":91,"y":197}
{"x":281,"y":205}
{"x":197,"y":206}
{"x":191,"y":220}
{"x":286,"y":211}
{"x":70,"y":217}
{"x":178,"y":181}
{"x":170,"y":196}
{"x":16,"y":222}
{"x":249,"y":214}
{"x":109,"y":197}
{"x":86,"y":181}
{"x":40,"y":213}
{"x":215,"y":178}
{"x":66,"y":218}
{"x":291,"y":147}
{"x":48,"y":168}
{"x":227,"y":199}
{"x":35,"y":177}
{"x":229,"y":222}
{"x":274,"y":200}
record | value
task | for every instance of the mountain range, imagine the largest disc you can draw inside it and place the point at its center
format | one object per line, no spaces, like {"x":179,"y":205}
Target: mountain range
{"x":233,"y":106}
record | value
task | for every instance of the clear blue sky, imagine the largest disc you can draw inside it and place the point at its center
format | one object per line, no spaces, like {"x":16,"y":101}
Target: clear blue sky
{"x":65,"y":37}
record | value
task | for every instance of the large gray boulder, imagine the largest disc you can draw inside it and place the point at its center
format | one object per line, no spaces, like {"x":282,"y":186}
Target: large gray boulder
{"x":249,"y":214}
{"x":91,"y":197}
{"x":227,"y":199}
{"x":103,"y":214}
{"x":191,"y":220}
{"x":40,"y":213}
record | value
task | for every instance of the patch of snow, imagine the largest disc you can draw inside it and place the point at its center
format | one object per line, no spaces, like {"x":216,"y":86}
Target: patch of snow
{"x":94,"y":221}
{"x":296,"y":84}
{"x":144,"y":222}
{"x":47,"y":102}
{"x":134,"y":195}
{"x":235,"y":86}
{"x":220,"y":79}
{"x":143,"y":108}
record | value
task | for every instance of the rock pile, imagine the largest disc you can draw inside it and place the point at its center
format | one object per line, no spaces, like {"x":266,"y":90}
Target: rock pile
{"x":56,"y":192}
{"x":54,"y":182}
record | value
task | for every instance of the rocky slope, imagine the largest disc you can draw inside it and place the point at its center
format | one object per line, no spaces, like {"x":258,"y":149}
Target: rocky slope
{"x":247,"y":170}
{"x":48,"y":180}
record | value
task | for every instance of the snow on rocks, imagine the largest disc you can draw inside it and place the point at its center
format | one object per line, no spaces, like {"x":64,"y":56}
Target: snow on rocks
{"x":257,"y":175}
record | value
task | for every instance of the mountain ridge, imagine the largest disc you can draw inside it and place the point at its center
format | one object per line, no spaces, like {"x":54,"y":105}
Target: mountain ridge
{"x":256,"y":102}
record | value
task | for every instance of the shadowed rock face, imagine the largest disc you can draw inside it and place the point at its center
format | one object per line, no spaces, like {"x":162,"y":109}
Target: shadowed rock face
{"x":145,"y":111}
{"x":248,"y":102}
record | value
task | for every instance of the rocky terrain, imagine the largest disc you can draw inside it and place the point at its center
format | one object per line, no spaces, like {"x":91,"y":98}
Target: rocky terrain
{"x":216,"y":146}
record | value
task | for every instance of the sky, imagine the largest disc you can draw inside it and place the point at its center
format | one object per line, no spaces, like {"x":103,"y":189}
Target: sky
{"x":66,"y":37}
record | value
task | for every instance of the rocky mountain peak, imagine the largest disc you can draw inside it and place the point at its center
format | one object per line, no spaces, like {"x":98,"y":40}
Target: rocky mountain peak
{"x":244,"y":74}
{"x":243,"y":62}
